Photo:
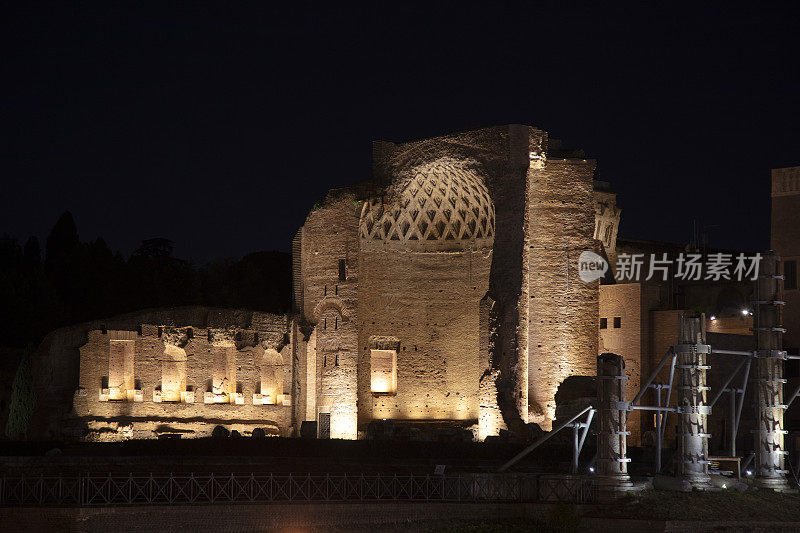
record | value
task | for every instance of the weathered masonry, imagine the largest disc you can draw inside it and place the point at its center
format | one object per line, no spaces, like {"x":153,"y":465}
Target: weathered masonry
{"x":442,"y":293}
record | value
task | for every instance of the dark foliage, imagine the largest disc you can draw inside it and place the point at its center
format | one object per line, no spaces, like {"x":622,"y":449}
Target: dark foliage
{"x":78,"y":281}
{"x":23,"y":399}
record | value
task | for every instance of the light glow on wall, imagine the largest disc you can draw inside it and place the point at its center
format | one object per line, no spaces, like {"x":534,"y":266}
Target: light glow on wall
{"x":384,"y":371}
{"x":344,"y":425}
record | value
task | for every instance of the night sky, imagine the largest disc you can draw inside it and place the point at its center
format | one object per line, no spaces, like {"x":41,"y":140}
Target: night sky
{"x":219,"y":127}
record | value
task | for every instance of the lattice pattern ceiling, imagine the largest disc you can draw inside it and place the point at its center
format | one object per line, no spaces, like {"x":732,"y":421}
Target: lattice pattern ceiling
{"x":443,"y":202}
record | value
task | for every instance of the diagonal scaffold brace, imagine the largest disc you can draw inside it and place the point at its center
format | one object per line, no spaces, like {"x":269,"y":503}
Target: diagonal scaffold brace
{"x":580,"y":430}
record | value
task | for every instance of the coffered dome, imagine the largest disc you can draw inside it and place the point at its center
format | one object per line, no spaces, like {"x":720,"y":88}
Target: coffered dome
{"x":442,"y":205}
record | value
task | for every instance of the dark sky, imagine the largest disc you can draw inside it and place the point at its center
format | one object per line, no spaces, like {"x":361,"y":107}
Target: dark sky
{"x":218,"y":127}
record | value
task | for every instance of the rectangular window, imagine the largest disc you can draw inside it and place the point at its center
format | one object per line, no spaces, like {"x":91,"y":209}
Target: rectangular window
{"x":384,"y":371}
{"x":603,"y":323}
{"x":790,"y":275}
{"x":342,"y":270}
{"x":617,"y":322}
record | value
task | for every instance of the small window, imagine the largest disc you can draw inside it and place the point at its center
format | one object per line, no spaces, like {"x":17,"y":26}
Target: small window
{"x":342,"y":270}
{"x":617,"y":322}
{"x":603,"y":323}
{"x":790,"y":275}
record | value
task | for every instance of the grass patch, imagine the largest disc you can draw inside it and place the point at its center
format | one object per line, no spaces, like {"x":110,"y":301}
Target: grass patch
{"x":760,"y":505}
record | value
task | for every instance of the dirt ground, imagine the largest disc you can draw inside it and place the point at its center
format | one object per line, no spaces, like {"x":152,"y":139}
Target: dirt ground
{"x":755,"y":505}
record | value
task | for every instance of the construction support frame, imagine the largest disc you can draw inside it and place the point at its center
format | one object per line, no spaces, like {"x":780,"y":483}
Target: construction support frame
{"x":661,"y":411}
{"x":690,"y":359}
{"x":580,"y":431}
{"x":736,"y":396}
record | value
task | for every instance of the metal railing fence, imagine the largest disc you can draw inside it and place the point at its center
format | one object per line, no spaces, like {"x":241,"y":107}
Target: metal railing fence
{"x":135,"y":489}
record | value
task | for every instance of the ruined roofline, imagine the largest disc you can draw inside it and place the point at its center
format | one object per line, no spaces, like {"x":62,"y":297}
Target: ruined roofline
{"x":602,"y":186}
{"x":198,"y":316}
{"x":790,"y":168}
{"x":553,"y":147}
{"x":389,"y":154}
{"x":453,"y":135}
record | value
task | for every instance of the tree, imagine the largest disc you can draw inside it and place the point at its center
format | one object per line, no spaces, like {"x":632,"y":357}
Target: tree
{"x":23,"y":399}
{"x":32,"y":255}
{"x":62,"y":242}
{"x":158,"y":247}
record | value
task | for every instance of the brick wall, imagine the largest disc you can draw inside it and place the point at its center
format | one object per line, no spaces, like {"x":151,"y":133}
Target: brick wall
{"x":624,"y":301}
{"x":330,"y":235}
{"x":563,"y":309}
{"x":230,"y":362}
{"x":785,"y":240}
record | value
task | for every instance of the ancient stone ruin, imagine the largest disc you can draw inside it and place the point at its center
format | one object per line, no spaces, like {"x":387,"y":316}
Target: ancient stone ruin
{"x":442,"y":293}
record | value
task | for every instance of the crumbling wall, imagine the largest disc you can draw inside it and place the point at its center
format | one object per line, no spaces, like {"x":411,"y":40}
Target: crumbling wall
{"x":490,"y":416}
{"x":545,"y":216}
{"x":563,"y":308}
{"x":72,"y":367}
{"x":329,"y":263}
{"x":204,"y":402}
{"x":426,"y":258}
{"x":607,"y":217}
{"x":429,"y":303}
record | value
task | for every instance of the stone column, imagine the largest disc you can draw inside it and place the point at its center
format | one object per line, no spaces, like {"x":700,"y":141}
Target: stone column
{"x":770,"y":472}
{"x":612,"y":438}
{"x":692,"y":352}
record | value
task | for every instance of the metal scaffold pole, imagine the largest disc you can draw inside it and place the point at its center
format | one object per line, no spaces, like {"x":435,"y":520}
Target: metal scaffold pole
{"x":769,"y":432}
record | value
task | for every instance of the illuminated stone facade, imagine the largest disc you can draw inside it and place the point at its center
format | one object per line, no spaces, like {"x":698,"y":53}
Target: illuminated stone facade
{"x":450,"y":283}
{"x":443,"y":293}
{"x":169,"y":380}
